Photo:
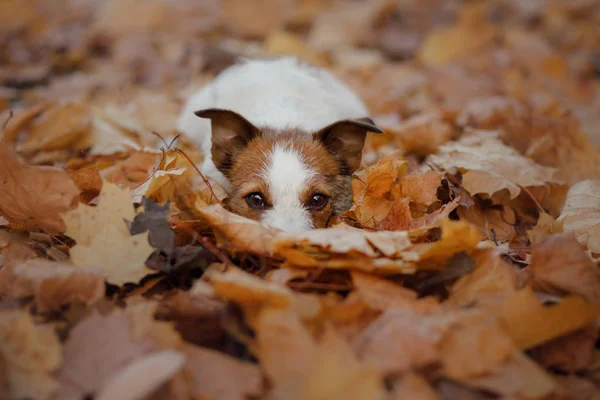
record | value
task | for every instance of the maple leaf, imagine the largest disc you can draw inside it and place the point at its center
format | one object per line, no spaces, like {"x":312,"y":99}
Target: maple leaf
{"x":489,"y":166}
{"x":320,"y":370}
{"x":167,"y":257}
{"x":103,"y":227}
{"x":31,"y":353}
{"x":114,"y":208}
{"x":32,"y":197}
{"x":124,"y":263}
{"x":581,"y":214}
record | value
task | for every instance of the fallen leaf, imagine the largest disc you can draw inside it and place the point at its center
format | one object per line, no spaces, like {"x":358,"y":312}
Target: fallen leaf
{"x":336,"y":373}
{"x":236,"y":232}
{"x":519,"y":376}
{"x":531,"y":324}
{"x":581,"y":214}
{"x":489,"y":166}
{"x":85,"y":223}
{"x":143,"y":376}
{"x":94,"y":359}
{"x":489,"y":286}
{"x":32,"y":197}
{"x":413,"y":386}
{"x":477,"y":345}
{"x":559,"y":265}
{"x":422,"y":134}
{"x":457,"y":236}
{"x":59,"y":126}
{"x":125,"y":262}
{"x":31,"y":353}
{"x":571,"y":353}
{"x":381,"y":294}
{"x":220,"y":377}
{"x":421,"y":188}
{"x":447,"y":44}
{"x":402,"y":339}
{"x":282,"y":337}
{"x":249,"y":290}
{"x":88,"y":180}
{"x":52,"y":284}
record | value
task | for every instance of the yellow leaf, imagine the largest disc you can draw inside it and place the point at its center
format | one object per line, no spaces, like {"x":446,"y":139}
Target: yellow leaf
{"x":86,"y":222}
{"x":457,"y":236}
{"x":121,"y":257}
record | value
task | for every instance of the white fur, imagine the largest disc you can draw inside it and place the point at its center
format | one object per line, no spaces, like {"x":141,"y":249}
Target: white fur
{"x":287,"y":176}
{"x":281,"y":93}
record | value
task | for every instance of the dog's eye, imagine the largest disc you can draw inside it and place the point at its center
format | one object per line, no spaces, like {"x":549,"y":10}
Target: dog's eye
{"x":317,"y":201}
{"x":256,"y":200}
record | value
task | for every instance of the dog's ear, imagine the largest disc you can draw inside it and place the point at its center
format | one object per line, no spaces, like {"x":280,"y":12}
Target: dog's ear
{"x":345,"y":140}
{"x":230,"y":134}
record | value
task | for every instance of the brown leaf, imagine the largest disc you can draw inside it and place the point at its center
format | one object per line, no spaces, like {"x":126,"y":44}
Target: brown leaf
{"x":571,"y":353}
{"x":518,"y":376}
{"x":381,"y":294}
{"x":220,"y":377}
{"x":32,"y":197}
{"x":476,"y":346}
{"x":531,"y":324}
{"x":491,"y":283}
{"x":60,"y":125}
{"x":249,"y":290}
{"x":489,"y":166}
{"x":94,"y":359}
{"x":237,"y":233}
{"x":413,"y":386}
{"x":402,"y":339}
{"x":559,"y":265}
{"x":52,"y":284}
{"x":421,"y":188}
{"x":88,"y":180}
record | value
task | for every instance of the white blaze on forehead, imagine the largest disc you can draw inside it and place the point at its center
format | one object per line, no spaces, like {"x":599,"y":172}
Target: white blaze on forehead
{"x":287,"y":176}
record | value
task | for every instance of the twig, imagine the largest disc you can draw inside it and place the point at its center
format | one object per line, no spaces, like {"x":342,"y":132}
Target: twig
{"x":11,"y":114}
{"x":206,"y":182}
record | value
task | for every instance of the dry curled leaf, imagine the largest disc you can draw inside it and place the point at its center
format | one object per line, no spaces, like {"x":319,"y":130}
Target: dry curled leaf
{"x":32,"y":197}
{"x":559,"y":265}
{"x":489,"y":166}
{"x":52,"y":284}
{"x":581,"y":214}
{"x":219,"y":376}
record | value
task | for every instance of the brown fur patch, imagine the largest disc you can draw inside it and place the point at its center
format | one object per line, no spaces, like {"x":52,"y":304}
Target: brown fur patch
{"x":247,"y":168}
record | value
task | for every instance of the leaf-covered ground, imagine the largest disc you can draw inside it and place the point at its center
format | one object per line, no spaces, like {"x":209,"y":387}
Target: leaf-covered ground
{"x":467,"y":267}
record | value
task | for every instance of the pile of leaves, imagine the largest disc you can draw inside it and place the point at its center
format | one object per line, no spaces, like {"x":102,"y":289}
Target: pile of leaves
{"x":467,"y":267}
